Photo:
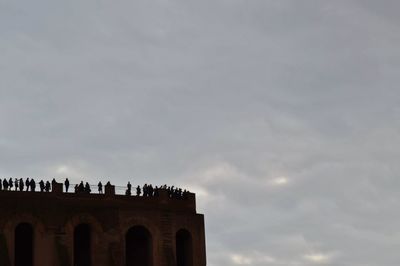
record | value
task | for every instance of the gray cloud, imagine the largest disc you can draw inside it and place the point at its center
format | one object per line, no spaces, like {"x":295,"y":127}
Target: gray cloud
{"x":224,"y":97}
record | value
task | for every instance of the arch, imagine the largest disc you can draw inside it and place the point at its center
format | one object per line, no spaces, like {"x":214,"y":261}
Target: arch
{"x":184,"y":248}
{"x":83,"y":218}
{"x":20,"y":218}
{"x":96,"y":231}
{"x":10,"y":226}
{"x":138,"y":246}
{"x":23,"y":248}
{"x":82,"y":245}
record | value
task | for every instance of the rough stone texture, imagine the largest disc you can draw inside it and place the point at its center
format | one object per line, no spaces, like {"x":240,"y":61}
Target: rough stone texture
{"x":55,"y":215}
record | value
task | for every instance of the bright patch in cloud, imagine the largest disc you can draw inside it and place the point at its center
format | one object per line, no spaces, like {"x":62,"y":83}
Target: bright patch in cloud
{"x":62,"y":169}
{"x":317,"y":258}
{"x":240,"y":259}
{"x":280,"y":181}
{"x":250,"y":259}
{"x":219,"y":172}
{"x":67,"y":171}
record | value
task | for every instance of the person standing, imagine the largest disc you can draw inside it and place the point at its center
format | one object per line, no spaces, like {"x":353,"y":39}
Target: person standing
{"x":27,"y":183}
{"x":100,"y":187}
{"x":129,"y":189}
{"x":21,"y":184}
{"x":66,"y":183}
{"x":87,"y":188}
{"x":32,"y":185}
{"x":5,"y":184}
{"x":53,"y":183}
{"x":41,"y":185}
{"x":10,"y":183}
{"x":81,"y":187}
{"x":47,"y":187}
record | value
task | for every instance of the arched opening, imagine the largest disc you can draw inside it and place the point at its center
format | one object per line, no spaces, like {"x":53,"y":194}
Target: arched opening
{"x":24,"y":245}
{"x":184,"y":248}
{"x":138,"y":247}
{"x":82,"y":245}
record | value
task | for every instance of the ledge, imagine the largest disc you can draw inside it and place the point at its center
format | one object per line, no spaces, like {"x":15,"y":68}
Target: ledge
{"x":108,"y":199}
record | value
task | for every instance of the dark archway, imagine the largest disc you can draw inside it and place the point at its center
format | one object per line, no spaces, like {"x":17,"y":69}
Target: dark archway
{"x":82,"y":245}
{"x":138,"y":247}
{"x":24,"y":245}
{"x":184,"y":248}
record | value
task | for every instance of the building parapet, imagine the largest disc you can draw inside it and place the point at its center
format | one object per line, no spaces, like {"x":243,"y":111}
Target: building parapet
{"x":162,"y":200}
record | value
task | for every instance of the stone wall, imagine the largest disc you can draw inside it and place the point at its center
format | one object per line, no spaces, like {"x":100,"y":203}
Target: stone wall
{"x":55,"y":215}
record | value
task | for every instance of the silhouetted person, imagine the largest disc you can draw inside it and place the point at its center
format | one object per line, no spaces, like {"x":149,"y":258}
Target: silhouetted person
{"x":32,"y":185}
{"x":16,"y":184}
{"x":128,"y":191}
{"x":1,"y":185}
{"x":81,"y":187}
{"x":41,"y":186}
{"x":76,"y":188}
{"x":47,"y":186}
{"x":28,"y":184}
{"x":156,"y":192}
{"x":5,"y":184}
{"x":21,"y":184}
{"x":138,"y":191}
{"x":53,"y":183}
{"x":66,"y":183}
{"x":10,"y":183}
{"x":100,"y":187}
{"x":87,"y":188}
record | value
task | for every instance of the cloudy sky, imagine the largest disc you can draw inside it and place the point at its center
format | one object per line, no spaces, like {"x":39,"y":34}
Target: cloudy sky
{"x":283,"y":116}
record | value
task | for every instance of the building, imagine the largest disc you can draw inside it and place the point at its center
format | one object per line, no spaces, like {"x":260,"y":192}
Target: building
{"x":81,"y":229}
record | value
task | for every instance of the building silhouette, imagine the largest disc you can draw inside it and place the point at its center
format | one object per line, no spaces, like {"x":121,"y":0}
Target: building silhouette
{"x":86,"y":229}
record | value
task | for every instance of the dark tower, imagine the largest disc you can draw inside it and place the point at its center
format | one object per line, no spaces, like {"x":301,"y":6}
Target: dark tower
{"x":83,"y":229}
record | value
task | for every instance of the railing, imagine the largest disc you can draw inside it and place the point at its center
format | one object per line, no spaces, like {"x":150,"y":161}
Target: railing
{"x":109,"y":189}
{"x":119,"y":190}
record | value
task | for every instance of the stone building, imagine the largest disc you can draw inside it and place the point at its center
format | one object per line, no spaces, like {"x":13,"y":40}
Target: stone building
{"x":81,"y":229}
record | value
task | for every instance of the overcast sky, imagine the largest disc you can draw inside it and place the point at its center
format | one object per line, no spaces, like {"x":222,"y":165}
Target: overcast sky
{"x":283,"y":116}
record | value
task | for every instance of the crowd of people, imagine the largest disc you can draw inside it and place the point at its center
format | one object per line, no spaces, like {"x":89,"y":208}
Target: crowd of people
{"x":150,"y":191}
{"x":147,"y":190}
{"x":21,"y":185}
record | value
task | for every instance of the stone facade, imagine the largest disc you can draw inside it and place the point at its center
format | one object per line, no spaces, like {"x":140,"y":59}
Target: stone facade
{"x":71,"y":229}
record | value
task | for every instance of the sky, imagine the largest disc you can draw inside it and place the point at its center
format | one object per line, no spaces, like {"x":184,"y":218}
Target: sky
{"x":282,"y":116}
